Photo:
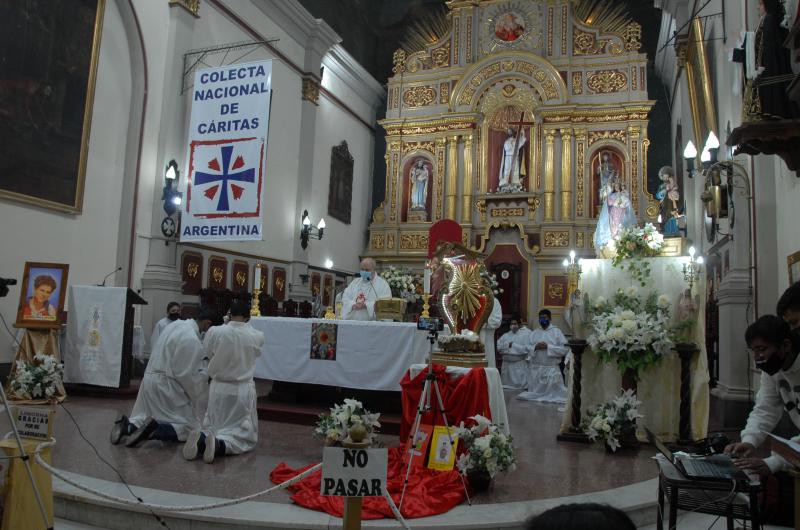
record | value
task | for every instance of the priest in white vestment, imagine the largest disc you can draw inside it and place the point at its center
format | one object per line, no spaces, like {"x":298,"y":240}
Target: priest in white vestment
{"x":173,"y":314}
{"x":358,"y":300}
{"x":514,"y":347}
{"x":174,"y":387}
{"x":230,"y":426}
{"x":549,"y":347}
{"x":487,"y":332}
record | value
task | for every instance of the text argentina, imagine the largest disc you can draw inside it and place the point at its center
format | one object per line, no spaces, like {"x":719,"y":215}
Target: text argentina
{"x":215,"y":230}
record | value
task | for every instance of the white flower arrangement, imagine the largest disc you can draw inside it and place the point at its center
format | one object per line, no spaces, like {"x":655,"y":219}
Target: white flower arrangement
{"x":404,"y":283}
{"x":630,"y":330}
{"x":40,"y":379}
{"x":334,"y":427}
{"x":487,"y":448}
{"x":633,"y":244}
{"x":610,"y":421}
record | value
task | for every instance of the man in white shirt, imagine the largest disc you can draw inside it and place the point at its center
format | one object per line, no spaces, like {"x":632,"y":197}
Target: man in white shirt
{"x":514,"y":346}
{"x":545,"y":380}
{"x":174,"y":387}
{"x":230,"y":426}
{"x":173,"y":314}
{"x":775,"y":349}
{"x":358,"y":300}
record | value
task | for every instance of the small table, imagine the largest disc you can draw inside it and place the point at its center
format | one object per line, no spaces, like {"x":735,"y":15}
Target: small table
{"x":705,"y":496}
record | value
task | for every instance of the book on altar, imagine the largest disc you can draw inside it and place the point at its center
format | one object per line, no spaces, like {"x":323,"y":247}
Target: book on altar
{"x":442,"y":455}
{"x":417,"y":447}
{"x":788,"y":449}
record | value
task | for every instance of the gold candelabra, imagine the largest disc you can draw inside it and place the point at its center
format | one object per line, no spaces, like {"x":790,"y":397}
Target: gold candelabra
{"x":254,"y":309}
{"x":425,"y":306}
{"x":573,"y":269}
{"x":691,"y":270}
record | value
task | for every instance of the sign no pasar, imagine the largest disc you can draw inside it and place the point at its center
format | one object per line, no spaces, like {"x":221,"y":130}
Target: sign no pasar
{"x":353,"y":472}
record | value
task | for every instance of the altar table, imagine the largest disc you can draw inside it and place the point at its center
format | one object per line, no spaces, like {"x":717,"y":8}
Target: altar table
{"x":369,"y":355}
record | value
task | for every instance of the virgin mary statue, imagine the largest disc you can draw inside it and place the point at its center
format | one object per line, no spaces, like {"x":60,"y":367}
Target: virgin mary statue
{"x":616,"y":213}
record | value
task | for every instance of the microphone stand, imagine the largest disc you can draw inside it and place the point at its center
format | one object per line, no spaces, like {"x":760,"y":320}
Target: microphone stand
{"x":109,"y":274}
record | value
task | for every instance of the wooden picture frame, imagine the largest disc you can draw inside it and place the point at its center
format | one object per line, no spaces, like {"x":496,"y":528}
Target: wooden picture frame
{"x":340,"y":188}
{"x":45,"y":142}
{"x":36,"y":311}
{"x":793,"y":262}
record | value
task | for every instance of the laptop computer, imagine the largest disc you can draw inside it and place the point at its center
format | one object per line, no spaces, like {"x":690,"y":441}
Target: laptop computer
{"x":714,"y":467}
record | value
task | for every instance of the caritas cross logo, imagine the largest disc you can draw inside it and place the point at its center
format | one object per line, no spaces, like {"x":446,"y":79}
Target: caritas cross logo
{"x":225,"y":178}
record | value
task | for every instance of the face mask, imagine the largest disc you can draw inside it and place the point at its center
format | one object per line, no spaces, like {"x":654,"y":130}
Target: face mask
{"x":771,"y":365}
{"x":366,"y":275}
{"x":514,"y":328}
{"x":544,"y":321}
{"x":173,"y":316}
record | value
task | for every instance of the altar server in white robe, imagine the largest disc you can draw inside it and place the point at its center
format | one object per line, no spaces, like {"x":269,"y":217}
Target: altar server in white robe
{"x":173,"y":314}
{"x":230,"y":426}
{"x":174,"y":387}
{"x":487,"y":332}
{"x":549,"y":347}
{"x":514,"y":347}
{"x":358,"y":301}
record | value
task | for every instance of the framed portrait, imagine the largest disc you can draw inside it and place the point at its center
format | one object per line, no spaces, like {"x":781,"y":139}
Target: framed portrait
{"x":48,"y":80}
{"x":794,"y":267}
{"x":442,"y":455}
{"x":41,"y":300}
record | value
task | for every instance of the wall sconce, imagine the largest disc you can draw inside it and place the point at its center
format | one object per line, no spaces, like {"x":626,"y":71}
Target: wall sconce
{"x":573,"y":270}
{"x":172,"y":199}
{"x":691,"y":270}
{"x":689,"y":154}
{"x":309,"y":232}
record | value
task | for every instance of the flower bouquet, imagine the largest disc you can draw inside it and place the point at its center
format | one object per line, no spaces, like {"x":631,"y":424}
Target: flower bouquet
{"x":614,"y":422}
{"x":632,"y":331}
{"x":635,"y":243}
{"x":487,"y":452}
{"x":335,"y":426}
{"x":404,"y":283}
{"x":38,"y":380}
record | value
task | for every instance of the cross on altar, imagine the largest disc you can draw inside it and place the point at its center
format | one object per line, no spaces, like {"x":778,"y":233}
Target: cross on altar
{"x":248,"y":175}
{"x":519,"y":125}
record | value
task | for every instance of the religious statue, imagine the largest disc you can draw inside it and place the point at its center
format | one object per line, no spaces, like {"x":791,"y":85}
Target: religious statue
{"x":576,"y":313}
{"x":616,"y":213}
{"x":419,"y":184}
{"x":687,"y":316}
{"x":668,"y":190}
{"x":511,"y":162}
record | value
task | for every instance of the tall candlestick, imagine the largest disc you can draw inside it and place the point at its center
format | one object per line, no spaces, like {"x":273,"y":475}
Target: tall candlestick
{"x":427,"y":280}
{"x":258,"y":277}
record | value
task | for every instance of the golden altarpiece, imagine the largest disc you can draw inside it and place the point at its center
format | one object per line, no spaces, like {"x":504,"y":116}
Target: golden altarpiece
{"x":566,"y":74}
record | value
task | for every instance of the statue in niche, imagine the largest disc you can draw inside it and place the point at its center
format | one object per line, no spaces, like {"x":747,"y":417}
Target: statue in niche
{"x":669,"y":196}
{"x":419,"y":176}
{"x":511,"y":161}
{"x":616,"y":213}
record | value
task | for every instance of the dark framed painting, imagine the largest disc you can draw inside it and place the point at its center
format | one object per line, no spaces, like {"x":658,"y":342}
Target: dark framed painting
{"x":50,"y":51}
{"x":192,"y":272}
{"x":41,"y":299}
{"x":340,"y":189}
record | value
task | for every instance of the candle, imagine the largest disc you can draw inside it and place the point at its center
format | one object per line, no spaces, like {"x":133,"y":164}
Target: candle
{"x":427,"y":280}
{"x":258,"y":278}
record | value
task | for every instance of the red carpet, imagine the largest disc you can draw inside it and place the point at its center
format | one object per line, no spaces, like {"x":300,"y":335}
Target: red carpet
{"x":429,"y":492}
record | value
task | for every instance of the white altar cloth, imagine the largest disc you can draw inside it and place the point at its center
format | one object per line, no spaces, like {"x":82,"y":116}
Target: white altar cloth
{"x":369,"y":355}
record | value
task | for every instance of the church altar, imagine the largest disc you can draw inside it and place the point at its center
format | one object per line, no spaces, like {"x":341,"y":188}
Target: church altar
{"x":659,"y":386}
{"x":369,"y":355}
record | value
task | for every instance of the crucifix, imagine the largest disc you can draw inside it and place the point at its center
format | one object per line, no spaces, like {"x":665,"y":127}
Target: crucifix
{"x":516,"y":154}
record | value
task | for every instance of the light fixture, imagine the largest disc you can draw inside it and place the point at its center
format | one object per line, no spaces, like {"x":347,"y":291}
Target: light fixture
{"x":172,"y":199}
{"x":689,"y":154}
{"x":712,"y":146}
{"x":309,"y":232}
{"x":328,"y":263}
{"x":691,"y":270}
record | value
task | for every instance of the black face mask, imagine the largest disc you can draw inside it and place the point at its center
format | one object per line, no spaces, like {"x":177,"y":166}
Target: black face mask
{"x":173,"y":316}
{"x":771,"y":365}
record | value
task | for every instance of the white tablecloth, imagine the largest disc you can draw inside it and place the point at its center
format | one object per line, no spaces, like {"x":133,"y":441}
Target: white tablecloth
{"x":497,"y":402}
{"x":369,"y":355}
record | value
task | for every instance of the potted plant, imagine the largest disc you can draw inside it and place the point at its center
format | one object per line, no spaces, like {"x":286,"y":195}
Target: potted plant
{"x":334,"y":427}
{"x":487,"y":451}
{"x":614,"y":422}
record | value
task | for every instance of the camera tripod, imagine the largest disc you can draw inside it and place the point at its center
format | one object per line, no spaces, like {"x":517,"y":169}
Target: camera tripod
{"x":430,"y":386}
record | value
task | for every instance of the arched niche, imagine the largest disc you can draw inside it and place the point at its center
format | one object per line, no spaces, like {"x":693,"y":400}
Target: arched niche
{"x":607,"y":160}
{"x":417,"y":162}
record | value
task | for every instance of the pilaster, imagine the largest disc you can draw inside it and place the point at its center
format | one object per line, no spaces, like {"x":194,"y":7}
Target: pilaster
{"x":549,"y":174}
{"x":469,"y":177}
{"x":452,"y":175}
{"x":566,"y":174}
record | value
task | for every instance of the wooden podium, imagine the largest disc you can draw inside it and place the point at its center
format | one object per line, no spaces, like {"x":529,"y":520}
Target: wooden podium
{"x":96,"y":354}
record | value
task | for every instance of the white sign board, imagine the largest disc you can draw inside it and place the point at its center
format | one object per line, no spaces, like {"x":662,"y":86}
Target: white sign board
{"x":353,"y":472}
{"x":33,"y":423}
{"x":227,"y":153}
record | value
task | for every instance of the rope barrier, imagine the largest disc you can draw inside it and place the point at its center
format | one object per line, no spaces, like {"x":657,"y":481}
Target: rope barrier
{"x":200,"y":507}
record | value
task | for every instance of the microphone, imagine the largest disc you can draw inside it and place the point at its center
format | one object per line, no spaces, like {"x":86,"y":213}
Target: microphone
{"x":109,"y":274}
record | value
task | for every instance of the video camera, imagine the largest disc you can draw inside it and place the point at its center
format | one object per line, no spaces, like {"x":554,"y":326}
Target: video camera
{"x":430,"y":324}
{"x":4,"y":283}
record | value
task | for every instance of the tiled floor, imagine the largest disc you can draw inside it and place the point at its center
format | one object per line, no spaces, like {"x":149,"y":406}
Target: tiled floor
{"x":546,"y":468}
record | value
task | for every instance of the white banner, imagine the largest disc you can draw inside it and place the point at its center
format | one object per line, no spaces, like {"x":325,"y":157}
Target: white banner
{"x":94,"y":335}
{"x":227,"y":153}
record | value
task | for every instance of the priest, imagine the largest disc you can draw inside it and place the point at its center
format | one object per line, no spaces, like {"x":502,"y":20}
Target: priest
{"x":230,"y":426}
{"x":174,"y":388}
{"x":549,"y":346}
{"x":358,"y":301}
{"x":513,"y":347}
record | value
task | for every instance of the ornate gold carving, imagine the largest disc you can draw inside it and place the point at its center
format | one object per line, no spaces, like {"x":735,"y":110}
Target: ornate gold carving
{"x":580,"y":163}
{"x":633,"y":37}
{"x":417,"y":146}
{"x":390,"y":241}
{"x":595,"y":136}
{"x":653,"y":208}
{"x":395,"y":181}
{"x":608,"y":114}
{"x":377,"y":242}
{"x":279,"y":283}
{"x":556,"y":239}
{"x":615,"y":48}
{"x":444,"y":93}
{"x":546,"y":84}
{"x":218,"y":274}
{"x":507,"y":212}
{"x":550,"y":15}
{"x":585,"y":43}
{"x":635,"y":174}
{"x":192,"y":269}
{"x":480,"y":205}
{"x":634,"y":78}
{"x":378,"y":215}
{"x":310,"y":90}
{"x":440,"y":147}
{"x":549,"y":174}
{"x":469,"y":39}
{"x":414,"y":241}
{"x":533,"y":205}
{"x":434,"y":126}
{"x":441,"y":56}
{"x":241,"y":278}
{"x":399,"y":59}
{"x":509,"y":90}
{"x":456,"y":38}
{"x":564,"y":12}
{"x":555,"y":290}
{"x":192,"y":6}
{"x":419,"y":96}
{"x":607,"y":81}
{"x":579,"y":241}
{"x":577,"y":83}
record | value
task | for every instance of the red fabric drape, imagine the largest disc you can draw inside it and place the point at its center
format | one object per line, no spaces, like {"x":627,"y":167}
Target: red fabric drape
{"x":462,"y":397}
{"x":428,"y":493}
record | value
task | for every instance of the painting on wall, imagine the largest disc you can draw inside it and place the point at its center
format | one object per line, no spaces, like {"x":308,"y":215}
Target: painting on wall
{"x":794,"y":267}
{"x":47,"y":82}
{"x":340,"y":189}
